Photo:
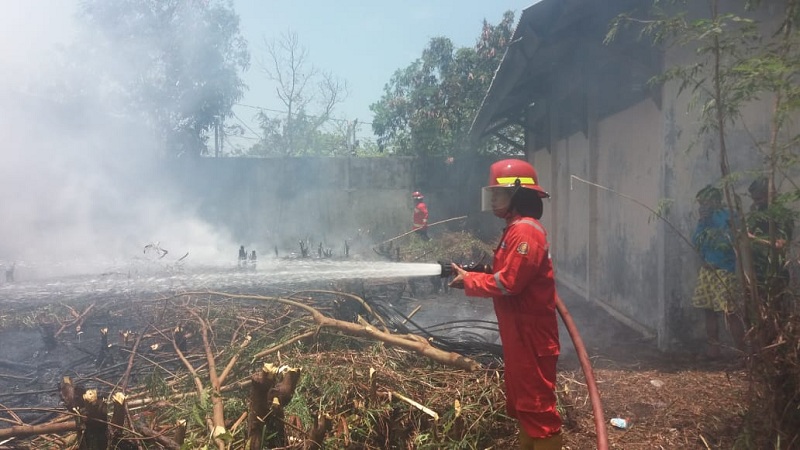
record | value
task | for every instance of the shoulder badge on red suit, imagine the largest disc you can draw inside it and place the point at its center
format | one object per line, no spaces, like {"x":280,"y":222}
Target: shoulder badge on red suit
{"x":522,"y":248}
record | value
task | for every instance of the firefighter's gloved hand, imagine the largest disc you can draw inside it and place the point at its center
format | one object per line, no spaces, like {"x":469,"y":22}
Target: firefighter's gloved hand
{"x":458,"y":281}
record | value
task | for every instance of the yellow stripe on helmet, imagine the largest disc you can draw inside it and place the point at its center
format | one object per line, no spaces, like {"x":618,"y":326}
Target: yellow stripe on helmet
{"x":512,"y":180}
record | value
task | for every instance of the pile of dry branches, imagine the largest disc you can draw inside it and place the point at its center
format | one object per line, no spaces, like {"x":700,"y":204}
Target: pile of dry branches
{"x":216,"y":370}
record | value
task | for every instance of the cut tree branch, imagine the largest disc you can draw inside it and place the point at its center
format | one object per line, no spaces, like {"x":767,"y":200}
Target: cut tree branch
{"x":409,"y":342}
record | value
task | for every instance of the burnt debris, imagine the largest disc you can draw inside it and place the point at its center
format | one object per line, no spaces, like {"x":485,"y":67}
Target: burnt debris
{"x":10,"y":273}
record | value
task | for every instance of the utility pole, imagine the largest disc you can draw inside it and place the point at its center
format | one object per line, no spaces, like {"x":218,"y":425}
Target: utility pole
{"x":217,"y":138}
{"x":352,"y":143}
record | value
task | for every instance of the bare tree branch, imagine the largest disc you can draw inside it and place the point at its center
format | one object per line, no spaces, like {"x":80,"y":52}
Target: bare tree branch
{"x":286,"y":64}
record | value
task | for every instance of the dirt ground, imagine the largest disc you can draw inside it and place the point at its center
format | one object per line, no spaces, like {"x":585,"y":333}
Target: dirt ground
{"x":674,"y":401}
{"x":670,"y":401}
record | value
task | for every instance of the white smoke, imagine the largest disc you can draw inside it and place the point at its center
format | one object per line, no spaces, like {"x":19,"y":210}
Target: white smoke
{"x":81,"y":184}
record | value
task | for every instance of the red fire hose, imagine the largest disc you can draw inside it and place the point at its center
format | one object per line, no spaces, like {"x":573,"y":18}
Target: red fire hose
{"x":580,"y":349}
{"x":591,"y":384}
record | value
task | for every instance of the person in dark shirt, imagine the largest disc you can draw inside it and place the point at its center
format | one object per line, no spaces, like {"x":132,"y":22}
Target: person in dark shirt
{"x":716,"y":289}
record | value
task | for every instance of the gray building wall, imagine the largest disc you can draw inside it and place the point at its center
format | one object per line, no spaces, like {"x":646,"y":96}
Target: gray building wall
{"x":606,"y":243}
{"x":605,"y":246}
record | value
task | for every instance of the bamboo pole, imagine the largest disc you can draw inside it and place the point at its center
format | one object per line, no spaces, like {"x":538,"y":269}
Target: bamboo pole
{"x":429,"y":225}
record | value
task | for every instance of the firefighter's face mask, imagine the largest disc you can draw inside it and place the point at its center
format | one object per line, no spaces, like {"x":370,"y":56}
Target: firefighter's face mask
{"x":496,"y":199}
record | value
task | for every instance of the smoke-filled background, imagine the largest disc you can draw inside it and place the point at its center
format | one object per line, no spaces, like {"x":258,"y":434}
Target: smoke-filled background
{"x":93,"y":101}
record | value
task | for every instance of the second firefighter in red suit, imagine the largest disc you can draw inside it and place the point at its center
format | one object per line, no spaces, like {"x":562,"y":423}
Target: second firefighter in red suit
{"x":420,"y":215}
{"x":522,"y":287}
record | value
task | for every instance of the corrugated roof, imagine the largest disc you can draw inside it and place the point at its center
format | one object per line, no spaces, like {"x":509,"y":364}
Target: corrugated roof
{"x":554,"y":43}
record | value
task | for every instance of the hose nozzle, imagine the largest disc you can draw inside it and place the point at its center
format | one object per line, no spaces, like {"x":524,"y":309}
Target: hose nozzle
{"x":447,"y":268}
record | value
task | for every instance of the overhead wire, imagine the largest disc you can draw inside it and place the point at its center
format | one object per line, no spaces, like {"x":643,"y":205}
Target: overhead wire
{"x":241,"y":136}
{"x":246,"y":125}
{"x":334,"y":119}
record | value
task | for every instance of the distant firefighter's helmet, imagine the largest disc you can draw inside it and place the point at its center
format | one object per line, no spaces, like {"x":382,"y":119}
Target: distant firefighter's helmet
{"x":417,"y":195}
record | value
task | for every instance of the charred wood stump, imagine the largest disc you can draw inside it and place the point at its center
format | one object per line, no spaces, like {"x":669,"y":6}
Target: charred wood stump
{"x":283,"y":390}
{"x":261,"y":384}
{"x":347,"y":308}
{"x":271,"y":389}
{"x":281,"y":394}
{"x":119,"y":412}
{"x":181,"y":338}
{"x":71,"y":395}
{"x":104,"y":356}
{"x":373,"y":387}
{"x":48,"y":332}
{"x":10,"y":273}
{"x":180,"y":432}
{"x":95,"y":434}
{"x":458,"y":429}
{"x":92,"y":414}
{"x":316,"y":436}
{"x":274,"y":426}
{"x":126,"y":337}
{"x":324,"y":252}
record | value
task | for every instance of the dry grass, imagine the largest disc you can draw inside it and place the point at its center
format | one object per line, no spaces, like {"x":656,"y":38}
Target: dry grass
{"x":693,"y":408}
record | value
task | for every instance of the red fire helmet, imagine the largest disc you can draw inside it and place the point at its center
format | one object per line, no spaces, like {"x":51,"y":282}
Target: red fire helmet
{"x":509,"y":175}
{"x":417,"y":195}
{"x":507,"y":172}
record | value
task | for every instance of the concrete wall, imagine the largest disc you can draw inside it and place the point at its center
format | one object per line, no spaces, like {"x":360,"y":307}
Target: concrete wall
{"x":629,"y":161}
{"x":604,"y":244}
{"x":268,"y":202}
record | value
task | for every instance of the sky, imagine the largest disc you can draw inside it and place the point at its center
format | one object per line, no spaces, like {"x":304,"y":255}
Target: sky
{"x":360,"y":41}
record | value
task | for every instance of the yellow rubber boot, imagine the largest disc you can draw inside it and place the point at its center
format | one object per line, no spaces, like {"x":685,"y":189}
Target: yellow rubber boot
{"x":549,"y":443}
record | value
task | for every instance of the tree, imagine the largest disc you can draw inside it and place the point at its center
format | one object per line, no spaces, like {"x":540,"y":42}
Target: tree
{"x":309,"y":138}
{"x":427,"y":108}
{"x":740,"y":61}
{"x":175,"y":63}
{"x":298,"y":87}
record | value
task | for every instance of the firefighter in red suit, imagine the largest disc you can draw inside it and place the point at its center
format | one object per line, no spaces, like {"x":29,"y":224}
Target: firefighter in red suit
{"x":522,"y":287}
{"x":420,"y":215}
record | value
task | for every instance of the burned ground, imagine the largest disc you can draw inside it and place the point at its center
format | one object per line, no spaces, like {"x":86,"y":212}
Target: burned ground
{"x":367,"y":388}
